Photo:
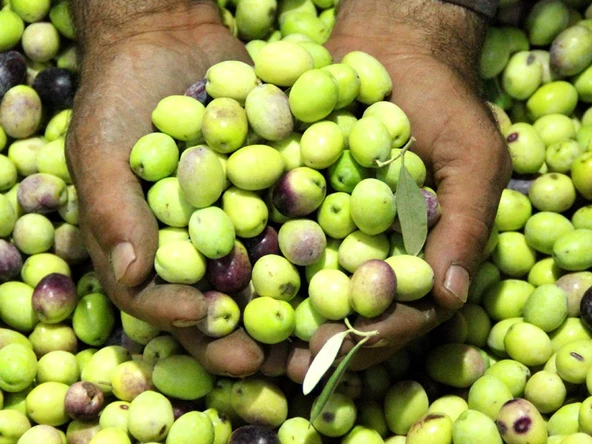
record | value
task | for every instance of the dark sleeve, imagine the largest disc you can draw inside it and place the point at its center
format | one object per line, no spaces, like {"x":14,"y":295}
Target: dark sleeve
{"x":487,"y":8}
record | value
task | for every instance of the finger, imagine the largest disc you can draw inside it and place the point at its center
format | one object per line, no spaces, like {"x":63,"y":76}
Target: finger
{"x":327,"y":331}
{"x":396,"y":327}
{"x":235,"y":355}
{"x":276,"y":357}
{"x":298,"y":361}
{"x":115,"y":213}
{"x":163,"y":305}
{"x":368,"y":357}
{"x":300,"y":358}
{"x":403,"y":322}
{"x":469,"y":163}
{"x":111,"y":112}
{"x":364,"y":357}
{"x":469,"y":203}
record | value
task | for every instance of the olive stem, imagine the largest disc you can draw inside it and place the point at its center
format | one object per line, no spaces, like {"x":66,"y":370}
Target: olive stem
{"x":406,"y":147}
{"x":364,"y":334}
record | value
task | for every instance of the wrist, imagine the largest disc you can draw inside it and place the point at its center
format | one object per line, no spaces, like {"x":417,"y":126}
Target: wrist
{"x":446,"y":32}
{"x":102,"y":24}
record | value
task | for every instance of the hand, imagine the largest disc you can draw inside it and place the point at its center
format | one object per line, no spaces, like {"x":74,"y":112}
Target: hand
{"x":123,"y":77}
{"x":431,"y":51}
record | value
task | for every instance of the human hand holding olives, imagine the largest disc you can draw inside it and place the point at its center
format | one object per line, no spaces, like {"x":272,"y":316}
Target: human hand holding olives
{"x":134,"y":54}
{"x":431,"y":51}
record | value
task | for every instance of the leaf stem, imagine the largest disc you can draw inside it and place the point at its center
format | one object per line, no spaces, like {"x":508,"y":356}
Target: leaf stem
{"x":333,"y":381}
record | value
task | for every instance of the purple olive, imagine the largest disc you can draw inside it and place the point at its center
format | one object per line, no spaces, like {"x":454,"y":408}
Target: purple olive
{"x":253,"y":434}
{"x":54,"y":298}
{"x":198,"y":91}
{"x":574,"y":284}
{"x":56,"y":87}
{"x":11,"y":261}
{"x":20,"y":112}
{"x":432,"y":205}
{"x":84,"y":400}
{"x":521,"y":184}
{"x":571,"y":50}
{"x":262,"y":244}
{"x":299,"y":192}
{"x":231,"y":273}
{"x":42,"y":193}
{"x":586,"y":308}
{"x":118,"y":337}
{"x":433,"y":208}
{"x":13,"y":70}
{"x":181,"y":406}
{"x":372,"y":288}
{"x":519,"y":421}
{"x":69,"y":244}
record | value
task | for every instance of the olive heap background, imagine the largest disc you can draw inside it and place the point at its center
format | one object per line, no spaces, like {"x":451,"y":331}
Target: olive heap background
{"x":513,"y":365}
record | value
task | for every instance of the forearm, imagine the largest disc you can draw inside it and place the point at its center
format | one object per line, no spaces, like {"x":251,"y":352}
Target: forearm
{"x":445,"y":31}
{"x":100,"y":22}
{"x":488,"y":8}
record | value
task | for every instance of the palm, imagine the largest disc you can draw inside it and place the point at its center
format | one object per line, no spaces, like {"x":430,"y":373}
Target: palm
{"x":466,"y":159}
{"x":119,"y":90}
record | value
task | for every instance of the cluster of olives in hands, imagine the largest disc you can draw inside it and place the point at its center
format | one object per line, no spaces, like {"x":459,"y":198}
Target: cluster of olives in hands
{"x":482,"y":356}
{"x":46,"y":303}
{"x":261,"y":21}
{"x":287,"y":172}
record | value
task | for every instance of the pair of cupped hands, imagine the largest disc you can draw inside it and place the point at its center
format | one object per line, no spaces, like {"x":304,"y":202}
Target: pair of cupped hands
{"x":433,"y":68}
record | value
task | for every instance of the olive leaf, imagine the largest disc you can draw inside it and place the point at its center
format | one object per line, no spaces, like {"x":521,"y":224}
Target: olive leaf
{"x":411,"y":211}
{"x":323,"y":361}
{"x":334,"y":380}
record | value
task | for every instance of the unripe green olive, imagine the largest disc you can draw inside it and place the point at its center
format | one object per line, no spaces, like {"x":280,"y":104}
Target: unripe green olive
{"x":282,"y":63}
{"x":375,"y":81}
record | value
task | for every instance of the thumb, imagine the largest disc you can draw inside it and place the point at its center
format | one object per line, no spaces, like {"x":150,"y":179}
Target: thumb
{"x":112,"y":110}
{"x":469,"y":201}
{"x":114,"y":212}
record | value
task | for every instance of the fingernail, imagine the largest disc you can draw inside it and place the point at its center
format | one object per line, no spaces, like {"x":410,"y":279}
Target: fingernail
{"x":121,"y":258}
{"x":183,"y":323}
{"x":457,"y":282}
{"x":380,"y":343}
